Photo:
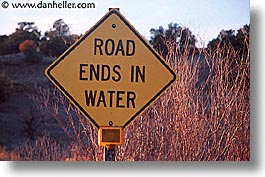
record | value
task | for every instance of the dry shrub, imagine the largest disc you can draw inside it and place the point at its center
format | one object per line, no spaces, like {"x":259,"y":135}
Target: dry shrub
{"x":81,"y":137}
{"x":6,"y":154}
{"x":29,"y":48}
{"x":44,"y":148}
{"x":26,"y":45}
{"x":204,"y":116}
{"x":6,"y":87}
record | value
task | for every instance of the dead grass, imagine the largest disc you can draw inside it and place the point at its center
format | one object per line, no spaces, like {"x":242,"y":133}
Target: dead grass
{"x":7,"y":155}
{"x":204,"y":116}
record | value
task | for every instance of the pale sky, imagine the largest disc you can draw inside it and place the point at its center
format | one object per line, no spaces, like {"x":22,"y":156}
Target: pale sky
{"x":205,"y":18}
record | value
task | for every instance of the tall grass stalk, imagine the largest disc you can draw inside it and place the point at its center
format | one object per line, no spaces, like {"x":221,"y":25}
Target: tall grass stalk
{"x":204,"y":116}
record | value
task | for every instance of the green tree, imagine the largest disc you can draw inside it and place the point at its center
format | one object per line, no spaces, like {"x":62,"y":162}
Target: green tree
{"x":168,"y":40}
{"x":3,"y":38}
{"x":30,"y":27}
{"x":235,"y":38}
{"x":243,"y":38}
{"x":60,"y":28}
{"x":25,"y":31}
{"x":53,"y":47}
{"x":57,"y":40}
{"x":11,"y":43}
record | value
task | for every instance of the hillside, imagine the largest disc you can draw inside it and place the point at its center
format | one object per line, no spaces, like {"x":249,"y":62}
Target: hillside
{"x":18,"y":110}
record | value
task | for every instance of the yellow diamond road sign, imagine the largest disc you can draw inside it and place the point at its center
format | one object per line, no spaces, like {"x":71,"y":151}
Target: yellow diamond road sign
{"x":111,"y":74}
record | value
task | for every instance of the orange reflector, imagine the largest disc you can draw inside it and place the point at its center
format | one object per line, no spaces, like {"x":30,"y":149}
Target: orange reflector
{"x":110,"y":136}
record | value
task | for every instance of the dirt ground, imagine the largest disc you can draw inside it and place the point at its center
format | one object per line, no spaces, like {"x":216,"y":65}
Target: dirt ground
{"x":18,"y":108}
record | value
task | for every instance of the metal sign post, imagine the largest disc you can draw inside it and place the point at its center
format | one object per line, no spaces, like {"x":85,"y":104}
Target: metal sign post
{"x":110,"y":153}
{"x":109,"y":137}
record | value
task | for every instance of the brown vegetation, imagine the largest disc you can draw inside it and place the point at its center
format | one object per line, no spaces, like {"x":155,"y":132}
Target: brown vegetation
{"x":26,"y":45}
{"x":204,"y":116}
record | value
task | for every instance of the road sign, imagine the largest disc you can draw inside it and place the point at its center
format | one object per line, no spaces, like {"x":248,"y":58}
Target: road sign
{"x":112,"y":74}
